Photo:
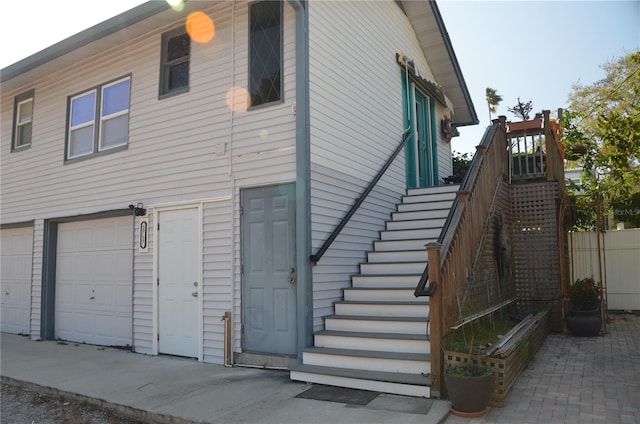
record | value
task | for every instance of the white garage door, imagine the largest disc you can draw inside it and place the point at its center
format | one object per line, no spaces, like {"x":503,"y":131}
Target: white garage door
{"x":15,"y":277}
{"x":93,"y":282}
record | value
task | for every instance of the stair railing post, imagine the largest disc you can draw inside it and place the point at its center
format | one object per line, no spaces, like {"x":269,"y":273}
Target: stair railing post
{"x":435,"y":316}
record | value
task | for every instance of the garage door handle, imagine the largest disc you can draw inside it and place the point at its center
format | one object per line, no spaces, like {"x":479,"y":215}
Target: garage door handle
{"x":92,"y":297}
{"x":194,"y":294}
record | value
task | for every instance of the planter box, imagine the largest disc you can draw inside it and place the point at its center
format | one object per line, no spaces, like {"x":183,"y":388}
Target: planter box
{"x":508,"y":362}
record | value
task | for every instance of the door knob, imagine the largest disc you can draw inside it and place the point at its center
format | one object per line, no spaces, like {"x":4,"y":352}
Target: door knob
{"x":195,"y":284}
{"x":194,"y":294}
{"x":291,"y":280}
{"x":292,"y":270}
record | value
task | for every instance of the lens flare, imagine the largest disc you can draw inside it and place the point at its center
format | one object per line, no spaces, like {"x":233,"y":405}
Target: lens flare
{"x":200,"y":27}
{"x":238,"y":99}
{"x":176,"y":5}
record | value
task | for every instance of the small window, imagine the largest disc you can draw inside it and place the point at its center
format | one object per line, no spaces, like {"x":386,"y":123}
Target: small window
{"x":23,"y":121}
{"x":265,"y":52}
{"x":174,"y":68}
{"x":99,"y":119}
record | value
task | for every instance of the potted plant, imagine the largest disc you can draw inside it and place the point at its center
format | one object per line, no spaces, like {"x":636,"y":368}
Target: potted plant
{"x":469,"y":387}
{"x":584,"y":315}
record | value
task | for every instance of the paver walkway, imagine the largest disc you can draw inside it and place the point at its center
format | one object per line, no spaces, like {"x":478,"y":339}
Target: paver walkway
{"x":577,"y":380}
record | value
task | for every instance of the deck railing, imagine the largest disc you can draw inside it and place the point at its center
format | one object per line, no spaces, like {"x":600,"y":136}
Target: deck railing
{"x":530,"y":151}
{"x":535,"y":150}
{"x":452,"y":257}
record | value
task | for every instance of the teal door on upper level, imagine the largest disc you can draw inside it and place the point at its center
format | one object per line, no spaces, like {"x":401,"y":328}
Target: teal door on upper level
{"x":421,"y":152}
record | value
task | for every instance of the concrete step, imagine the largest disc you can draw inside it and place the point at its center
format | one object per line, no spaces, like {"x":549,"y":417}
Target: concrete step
{"x":407,"y":363}
{"x":385,"y":342}
{"x":395,"y":245}
{"x":416,"y":223}
{"x":418,"y":214}
{"x":412,"y":234}
{"x":446,"y":188}
{"x":393,"y":268}
{"x":379,"y":294}
{"x":418,"y":309}
{"x":385,"y":281}
{"x":398,"y":256}
{"x":376,"y":324}
{"x":378,"y":381}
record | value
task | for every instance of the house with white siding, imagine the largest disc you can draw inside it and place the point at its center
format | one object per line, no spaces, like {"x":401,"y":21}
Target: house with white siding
{"x":169,"y":176}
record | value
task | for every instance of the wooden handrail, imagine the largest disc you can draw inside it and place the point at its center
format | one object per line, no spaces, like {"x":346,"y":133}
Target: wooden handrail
{"x":451,"y":258}
{"x":358,"y":201}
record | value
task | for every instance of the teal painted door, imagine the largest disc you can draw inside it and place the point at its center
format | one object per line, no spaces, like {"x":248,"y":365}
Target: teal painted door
{"x":268,"y":270}
{"x":421,"y":152}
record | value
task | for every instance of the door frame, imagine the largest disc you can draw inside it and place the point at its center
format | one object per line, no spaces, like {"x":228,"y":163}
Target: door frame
{"x":157,"y":210}
{"x":409,"y":99}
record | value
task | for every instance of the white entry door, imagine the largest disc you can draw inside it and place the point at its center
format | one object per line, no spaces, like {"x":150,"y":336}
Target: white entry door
{"x":178,"y":282}
{"x":15,"y":266}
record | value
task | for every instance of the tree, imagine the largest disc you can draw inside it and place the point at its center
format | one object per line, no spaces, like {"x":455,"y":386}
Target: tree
{"x":493,"y":100}
{"x":521,"y":110}
{"x":603,"y":119}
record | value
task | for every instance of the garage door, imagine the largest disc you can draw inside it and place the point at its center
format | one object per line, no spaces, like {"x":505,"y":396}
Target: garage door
{"x":93,"y":282}
{"x":15,"y":276}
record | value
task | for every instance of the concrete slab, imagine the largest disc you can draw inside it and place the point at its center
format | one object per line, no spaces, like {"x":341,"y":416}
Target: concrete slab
{"x":163,"y":389}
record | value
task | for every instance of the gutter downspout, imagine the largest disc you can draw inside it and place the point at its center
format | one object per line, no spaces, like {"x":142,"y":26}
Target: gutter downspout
{"x":304,"y":291}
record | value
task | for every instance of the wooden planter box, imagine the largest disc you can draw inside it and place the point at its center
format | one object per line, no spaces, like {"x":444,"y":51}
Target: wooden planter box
{"x":507,"y":363}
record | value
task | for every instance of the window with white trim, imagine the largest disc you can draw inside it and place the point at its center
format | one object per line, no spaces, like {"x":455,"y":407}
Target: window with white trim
{"x":22,"y":121}
{"x":99,"y":119}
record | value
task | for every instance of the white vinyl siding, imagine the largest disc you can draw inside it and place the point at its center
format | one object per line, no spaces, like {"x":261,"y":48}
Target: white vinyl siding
{"x":172,"y":156}
{"x":143,"y":306}
{"x":356,"y":123}
{"x":181,"y":149}
{"x":36,"y":279}
{"x":217,"y":290}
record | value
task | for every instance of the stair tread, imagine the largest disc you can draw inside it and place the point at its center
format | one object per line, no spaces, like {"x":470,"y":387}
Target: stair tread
{"x":388,"y":275}
{"x":390,"y":377}
{"x":381,"y":289}
{"x":370,"y":353}
{"x":382,"y":302}
{"x":376,"y":318}
{"x":363,"y":334}
{"x":424,"y":251}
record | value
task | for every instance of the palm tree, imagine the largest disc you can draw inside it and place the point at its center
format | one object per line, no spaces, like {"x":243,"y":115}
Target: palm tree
{"x":493,"y":100}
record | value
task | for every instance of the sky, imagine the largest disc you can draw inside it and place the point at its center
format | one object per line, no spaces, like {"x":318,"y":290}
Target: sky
{"x":534,"y":50}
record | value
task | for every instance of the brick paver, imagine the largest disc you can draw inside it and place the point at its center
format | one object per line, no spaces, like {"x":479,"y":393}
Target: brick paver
{"x":577,"y":380}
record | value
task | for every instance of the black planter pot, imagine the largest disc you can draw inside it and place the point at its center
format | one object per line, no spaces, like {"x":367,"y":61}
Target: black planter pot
{"x":469,"y":396}
{"x":584,"y":323}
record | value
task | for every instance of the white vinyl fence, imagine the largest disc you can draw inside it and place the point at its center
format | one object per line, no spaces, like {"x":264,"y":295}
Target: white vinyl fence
{"x":620,"y":259}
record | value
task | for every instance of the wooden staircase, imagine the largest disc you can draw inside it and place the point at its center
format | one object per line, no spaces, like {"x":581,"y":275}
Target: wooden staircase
{"x":377,"y":339}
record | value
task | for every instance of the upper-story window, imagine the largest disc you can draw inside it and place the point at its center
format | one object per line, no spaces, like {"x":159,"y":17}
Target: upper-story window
{"x":99,"y":119}
{"x":22,"y":121}
{"x":265,"y":52}
{"x":174,"y":66}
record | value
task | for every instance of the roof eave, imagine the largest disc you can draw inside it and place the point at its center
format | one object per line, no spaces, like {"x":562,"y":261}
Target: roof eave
{"x":96,"y":32}
{"x":435,"y":42}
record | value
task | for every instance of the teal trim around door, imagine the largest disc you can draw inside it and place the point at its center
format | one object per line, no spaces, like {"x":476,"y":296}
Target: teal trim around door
{"x":421,"y":152}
